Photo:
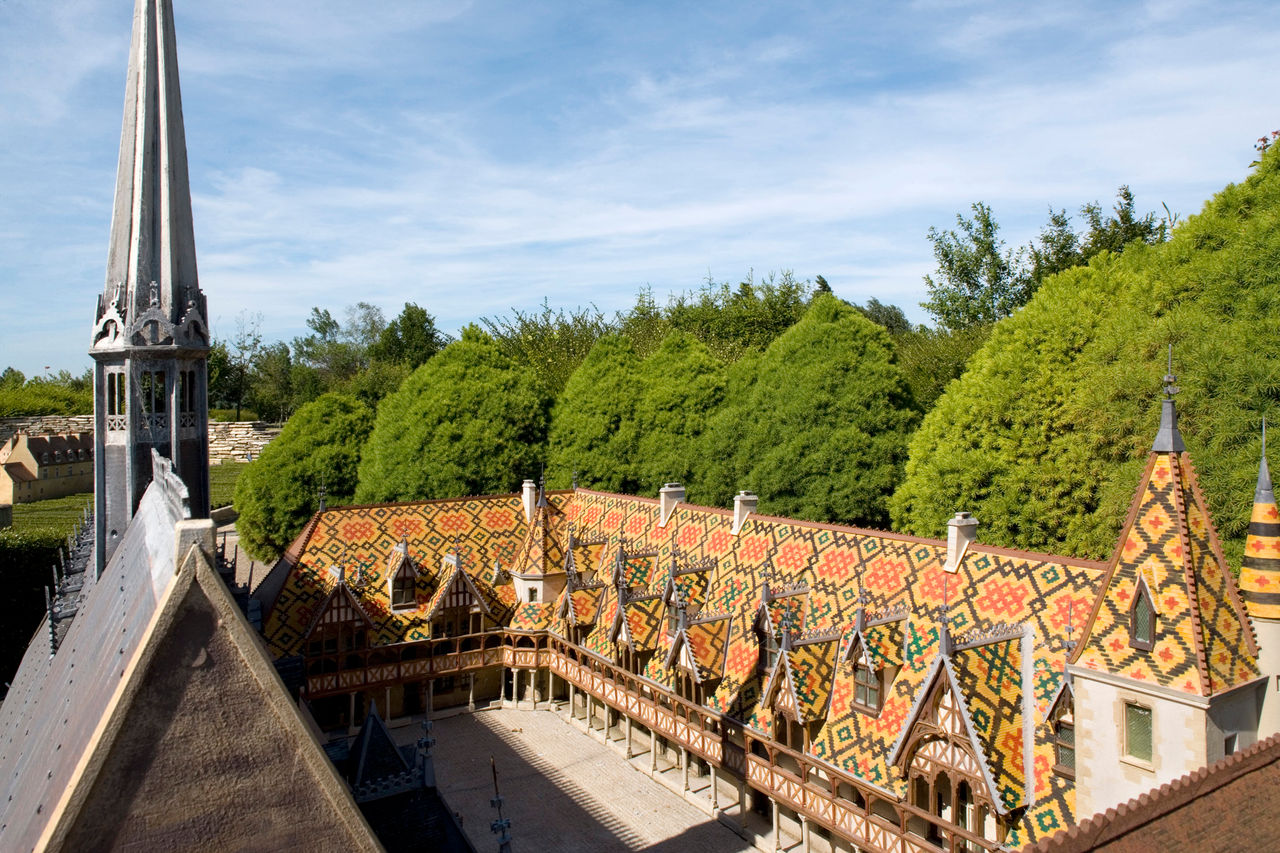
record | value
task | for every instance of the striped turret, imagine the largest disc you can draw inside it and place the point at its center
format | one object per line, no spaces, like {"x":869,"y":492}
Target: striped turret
{"x":1260,"y":570}
{"x":1260,"y":584}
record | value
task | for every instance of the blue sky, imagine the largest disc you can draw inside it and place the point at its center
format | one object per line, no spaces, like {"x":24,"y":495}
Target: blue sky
{"x":475,"y":157}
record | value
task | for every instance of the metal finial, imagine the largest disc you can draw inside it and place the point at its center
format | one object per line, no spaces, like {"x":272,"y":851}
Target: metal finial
{"x":575,"y":478}
{"x":1169,"y":388}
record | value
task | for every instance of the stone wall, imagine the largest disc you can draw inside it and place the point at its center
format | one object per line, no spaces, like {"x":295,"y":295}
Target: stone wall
{"x":235,"y":440}
{"x":240,"y":439}
{"x":45,"y":425}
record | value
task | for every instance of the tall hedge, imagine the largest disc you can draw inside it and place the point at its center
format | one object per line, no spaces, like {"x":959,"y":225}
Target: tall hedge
{"x":818,"y":425}
{"x":682,"y":384}
{"x":279,"y":490}
{"x":469,"y":421}
{"x":593,"y":427}
{"x":1044,"y":436}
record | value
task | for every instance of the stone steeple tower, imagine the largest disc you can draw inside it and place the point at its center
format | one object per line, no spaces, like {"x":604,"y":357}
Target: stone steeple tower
{"x":150,"y":339}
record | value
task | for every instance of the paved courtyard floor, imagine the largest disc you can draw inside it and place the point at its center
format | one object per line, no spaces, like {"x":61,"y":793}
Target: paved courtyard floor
{"x":563,"y":790}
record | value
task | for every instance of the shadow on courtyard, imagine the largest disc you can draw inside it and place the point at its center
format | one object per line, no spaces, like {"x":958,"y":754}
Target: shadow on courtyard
{"x":561,"y":795}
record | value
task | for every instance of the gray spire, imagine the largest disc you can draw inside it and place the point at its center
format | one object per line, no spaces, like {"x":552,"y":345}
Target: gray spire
{"x":1168,"y":439}
{"x":151,"y":259}
{"x":1263,"y":494}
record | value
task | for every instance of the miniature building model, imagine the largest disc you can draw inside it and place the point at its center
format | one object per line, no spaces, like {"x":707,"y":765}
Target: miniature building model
{"x":150,"y":342}
{"x":144,"y":715}
{"x":888,"y":689}
{"x":37,"y":467}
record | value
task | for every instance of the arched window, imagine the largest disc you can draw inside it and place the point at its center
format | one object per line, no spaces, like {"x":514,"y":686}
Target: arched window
{"x":1063,"y":723}
{"x":1142,"y":619}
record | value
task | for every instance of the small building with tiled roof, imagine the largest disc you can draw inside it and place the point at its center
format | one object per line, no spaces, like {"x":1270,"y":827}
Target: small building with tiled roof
{"x":39,"y":467}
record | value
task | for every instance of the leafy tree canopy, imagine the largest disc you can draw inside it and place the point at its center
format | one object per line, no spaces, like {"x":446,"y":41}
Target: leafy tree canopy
{"x":61,"y":393}
{"x":593,"y":427}
{"x":1044,"y":436}
{"x":410,"y":339}
{"x":549,"y":344}
{"x":279,"y":490}
{"x":822,"y":432}
{"x":469,"y":421}
{"x":979,"y":280}
{"x":682,"y":383}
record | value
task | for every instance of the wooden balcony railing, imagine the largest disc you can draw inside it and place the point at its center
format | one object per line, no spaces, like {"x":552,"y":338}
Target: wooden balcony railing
{"x":871,"y":817}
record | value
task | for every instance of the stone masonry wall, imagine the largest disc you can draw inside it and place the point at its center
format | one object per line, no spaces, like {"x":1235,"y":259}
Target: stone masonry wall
{"x":234,"y":440}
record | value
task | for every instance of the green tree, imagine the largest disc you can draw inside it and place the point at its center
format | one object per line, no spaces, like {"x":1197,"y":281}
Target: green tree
{"x":1044,"y":436}
{"x":891,"y":317}
{"x":279,"y":490}
{"x":12,"y":379}
{"x":410,"y":339}
{"x":978,"y":280}
{"x":271,"y":384}
{"x":593,"y":426}
{"x":549,"y":344}
{"x":469,"y":421}
{"x":930,"y":358}
{"x":822,"y":434}
{"x":681,"y":384}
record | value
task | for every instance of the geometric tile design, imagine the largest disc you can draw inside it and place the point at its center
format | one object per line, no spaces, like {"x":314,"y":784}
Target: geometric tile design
{"x":1260,"y":569}
{"x":990,"y":680}
{"x":1203,"y":643}
{"x":839,"y":571}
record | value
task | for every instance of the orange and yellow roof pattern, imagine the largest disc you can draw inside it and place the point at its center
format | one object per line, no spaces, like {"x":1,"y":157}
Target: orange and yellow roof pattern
{"x":1202,"y":641}
{"x":1260,"y":569}
{"x":479,"y":530}
{"x":818,"y":577}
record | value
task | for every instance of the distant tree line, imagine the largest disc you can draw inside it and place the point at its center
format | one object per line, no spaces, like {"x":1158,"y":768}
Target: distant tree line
{"x":772,"y":385}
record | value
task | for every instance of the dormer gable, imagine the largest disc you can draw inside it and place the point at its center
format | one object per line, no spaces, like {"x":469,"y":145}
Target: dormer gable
{"x":402,"y":578}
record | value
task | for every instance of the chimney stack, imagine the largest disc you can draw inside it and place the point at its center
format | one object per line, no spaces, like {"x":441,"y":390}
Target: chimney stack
{"x":744,"y":503}
{"x":962,"y":531}
{"x":529,"y":497}
{"x":668,"y":496}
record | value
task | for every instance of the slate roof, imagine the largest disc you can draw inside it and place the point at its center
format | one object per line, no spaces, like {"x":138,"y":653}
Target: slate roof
{"x":124,"y":736}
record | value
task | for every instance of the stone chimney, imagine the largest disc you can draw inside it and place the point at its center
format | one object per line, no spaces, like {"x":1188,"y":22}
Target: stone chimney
{"x":744,"y":503}
{"x":529,"y":497}
{"x":668,"y":496}
{"x":962,"y":531}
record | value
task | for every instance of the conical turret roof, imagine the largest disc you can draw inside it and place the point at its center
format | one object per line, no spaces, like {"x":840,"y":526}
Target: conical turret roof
{"x":1169,"y":553}
{"x":1260,"y":570}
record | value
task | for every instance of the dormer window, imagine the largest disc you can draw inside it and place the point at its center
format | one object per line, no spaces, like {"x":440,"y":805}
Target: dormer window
{"x":771,"y":649}
{"x":867,"y":689}
{"x":533,"y":595}
{"x":404,"y":586}
{"x":1142,"y":619}
{"x":1063,"y":724}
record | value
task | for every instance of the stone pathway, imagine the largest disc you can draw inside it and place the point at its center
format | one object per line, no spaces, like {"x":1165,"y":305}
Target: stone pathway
{"x":563,"y":790}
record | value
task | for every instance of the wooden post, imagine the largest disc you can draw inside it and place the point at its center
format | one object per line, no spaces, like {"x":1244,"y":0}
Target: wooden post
{"x":471,"y":691}
{"x":628,"y":752}
{"x":777,"y":831}
{"x":715,"y":792}
{"x":684,"y":766}
{"x":804,"y":834}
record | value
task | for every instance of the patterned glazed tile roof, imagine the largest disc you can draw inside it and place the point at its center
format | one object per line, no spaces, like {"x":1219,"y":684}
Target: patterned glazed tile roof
{"x":810,"y":665}
{"x":1260,"y":571}
{"x":541,"y":552}
{"x":584,"y":604}
{"x":707,"y":639}
{"x":990,"y":680}
{"x":830,"y":572}
{"x":1203,"y":643}
{"x":480,"y":530}
{"x":643,"y":619}
{"x":532,"y":616}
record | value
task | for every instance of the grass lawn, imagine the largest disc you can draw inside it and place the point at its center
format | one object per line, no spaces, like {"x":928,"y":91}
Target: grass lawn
{"x":60,"y":514}
{"x":222,"y":482}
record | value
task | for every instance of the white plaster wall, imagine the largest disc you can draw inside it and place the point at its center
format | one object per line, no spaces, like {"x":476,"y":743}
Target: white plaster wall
{"x":1105,"y":777}
{"x":549,"y":587}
